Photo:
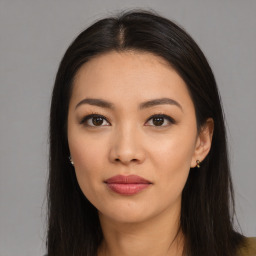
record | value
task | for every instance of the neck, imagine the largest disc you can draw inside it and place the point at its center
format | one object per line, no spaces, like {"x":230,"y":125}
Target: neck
{"x":159,"y":236}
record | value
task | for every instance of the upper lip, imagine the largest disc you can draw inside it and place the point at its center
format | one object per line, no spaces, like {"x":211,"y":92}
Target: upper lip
{"x":130,"y":179}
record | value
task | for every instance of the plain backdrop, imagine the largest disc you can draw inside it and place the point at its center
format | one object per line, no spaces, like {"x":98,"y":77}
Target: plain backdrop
{"x":33,"y":38}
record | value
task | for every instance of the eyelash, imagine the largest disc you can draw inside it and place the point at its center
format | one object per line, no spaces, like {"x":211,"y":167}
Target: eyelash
{"x":95,"y":114}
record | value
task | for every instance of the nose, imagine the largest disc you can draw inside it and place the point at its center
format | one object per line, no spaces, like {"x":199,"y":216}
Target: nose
{"x":127,"y":147}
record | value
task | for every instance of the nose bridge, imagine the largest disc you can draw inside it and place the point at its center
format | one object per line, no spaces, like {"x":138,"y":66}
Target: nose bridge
{"x":126,"y":144}
{"x":126,"y":137}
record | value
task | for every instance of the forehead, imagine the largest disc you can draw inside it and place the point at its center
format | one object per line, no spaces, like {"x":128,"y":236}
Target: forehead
{"x":128,"y":76}
{"x":128,"y":62}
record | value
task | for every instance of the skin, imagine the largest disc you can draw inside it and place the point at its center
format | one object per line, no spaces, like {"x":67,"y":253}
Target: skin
{"x":128,"y":143}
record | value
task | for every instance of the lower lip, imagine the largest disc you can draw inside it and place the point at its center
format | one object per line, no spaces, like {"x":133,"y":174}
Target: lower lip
{"x":127,"y":189}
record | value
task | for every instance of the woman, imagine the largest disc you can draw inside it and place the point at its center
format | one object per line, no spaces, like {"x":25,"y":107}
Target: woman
{"x":138,"y":154}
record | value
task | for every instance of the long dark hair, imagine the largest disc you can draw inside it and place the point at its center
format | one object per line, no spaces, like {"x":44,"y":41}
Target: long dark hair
{"x":207,"y":211}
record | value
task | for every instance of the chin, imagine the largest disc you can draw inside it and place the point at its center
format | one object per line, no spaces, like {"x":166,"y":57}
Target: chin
{"x":126,"y":213}
{"x":125,"y":218}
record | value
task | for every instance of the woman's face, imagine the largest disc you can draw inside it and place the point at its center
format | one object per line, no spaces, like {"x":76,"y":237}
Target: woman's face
{"x":123,"y":91}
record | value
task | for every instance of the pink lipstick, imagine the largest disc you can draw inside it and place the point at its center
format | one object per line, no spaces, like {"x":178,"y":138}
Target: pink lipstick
{"x":127,"y":185}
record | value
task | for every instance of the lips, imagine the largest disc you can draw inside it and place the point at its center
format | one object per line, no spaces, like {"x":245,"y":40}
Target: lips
{"x":127,"y":185}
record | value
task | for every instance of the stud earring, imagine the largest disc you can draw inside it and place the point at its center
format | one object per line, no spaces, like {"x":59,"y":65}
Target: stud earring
{"x":198,"y":163}
{"x":71,"y":161}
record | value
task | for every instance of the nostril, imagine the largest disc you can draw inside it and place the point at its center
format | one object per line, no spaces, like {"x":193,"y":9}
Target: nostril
{"x":126,"y":161}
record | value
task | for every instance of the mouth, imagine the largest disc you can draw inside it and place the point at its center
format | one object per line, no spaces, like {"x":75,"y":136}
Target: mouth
{"x":127,"y":185}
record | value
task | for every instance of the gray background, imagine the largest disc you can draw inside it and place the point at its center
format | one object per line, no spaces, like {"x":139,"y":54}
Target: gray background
{"x":35,"y":34}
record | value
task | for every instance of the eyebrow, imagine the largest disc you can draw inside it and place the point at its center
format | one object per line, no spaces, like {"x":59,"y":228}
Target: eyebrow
{"x":143,"y":105}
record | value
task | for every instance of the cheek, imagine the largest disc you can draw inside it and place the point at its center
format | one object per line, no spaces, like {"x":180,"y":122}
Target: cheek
{"x":87,"y":156}
{"x":172,"y":159}
{"x":86,"y":149}
{"x":175,"y":151}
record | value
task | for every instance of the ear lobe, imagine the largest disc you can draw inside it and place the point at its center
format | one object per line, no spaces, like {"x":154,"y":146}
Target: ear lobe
{"x":203,"y":143}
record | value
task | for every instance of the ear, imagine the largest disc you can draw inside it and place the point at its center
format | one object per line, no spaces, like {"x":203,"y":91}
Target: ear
{"x":203,"y":142}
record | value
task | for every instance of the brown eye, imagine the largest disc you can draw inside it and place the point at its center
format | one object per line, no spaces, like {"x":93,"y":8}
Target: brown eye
{"x":94,"y":120}
{"x":158,"y":121}
{"x":97,"y":121}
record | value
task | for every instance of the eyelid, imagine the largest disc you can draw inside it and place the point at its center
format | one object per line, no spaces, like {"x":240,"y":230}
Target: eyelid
{"x":95,"y":114}
{"x":170,"y":119}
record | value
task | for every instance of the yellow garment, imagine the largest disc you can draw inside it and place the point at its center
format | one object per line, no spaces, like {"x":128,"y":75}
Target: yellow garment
{"x":250,"y":248}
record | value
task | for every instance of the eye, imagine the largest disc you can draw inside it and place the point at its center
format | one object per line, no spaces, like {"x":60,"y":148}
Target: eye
{"x":97,"y":120}
{"x":161,"y":120}
{"x":94,"y":120}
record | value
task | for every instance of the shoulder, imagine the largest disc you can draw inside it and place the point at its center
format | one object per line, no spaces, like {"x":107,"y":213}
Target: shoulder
{"x":248,"y":248}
